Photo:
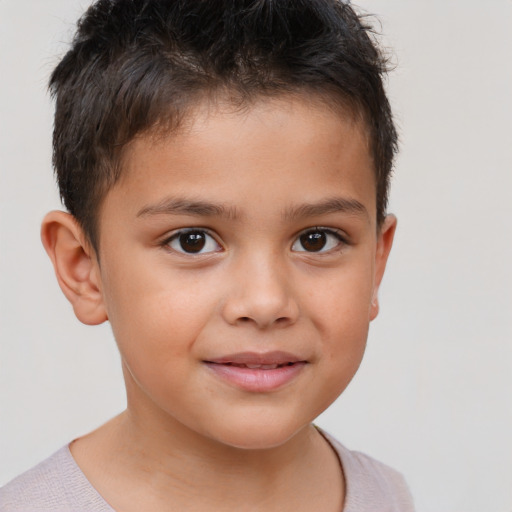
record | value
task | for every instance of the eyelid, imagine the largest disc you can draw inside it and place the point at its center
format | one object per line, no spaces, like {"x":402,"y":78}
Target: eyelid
{"x":169,"y":237}
{"x":337,"y":233}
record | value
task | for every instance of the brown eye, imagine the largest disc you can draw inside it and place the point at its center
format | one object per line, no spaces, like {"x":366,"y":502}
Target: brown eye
{"x":317,"y":240}
{"x":313,"y":241}
{"x":193,"y":242}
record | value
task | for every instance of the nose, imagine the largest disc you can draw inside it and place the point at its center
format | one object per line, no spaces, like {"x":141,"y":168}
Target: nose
{"x":260,"y":294}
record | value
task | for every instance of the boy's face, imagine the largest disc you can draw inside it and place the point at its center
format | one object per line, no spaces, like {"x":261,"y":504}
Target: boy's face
{"x":247,"y":239}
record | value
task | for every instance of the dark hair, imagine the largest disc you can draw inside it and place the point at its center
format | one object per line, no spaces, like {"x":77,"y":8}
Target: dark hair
{"x":139,"y":64}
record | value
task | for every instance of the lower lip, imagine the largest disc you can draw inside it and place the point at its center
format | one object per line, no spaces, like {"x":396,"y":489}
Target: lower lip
{"x":256,"y":379}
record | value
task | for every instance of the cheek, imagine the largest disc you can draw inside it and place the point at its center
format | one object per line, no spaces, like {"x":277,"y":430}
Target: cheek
{"x":157,"y":313}
{"x":340,"y":311}
{"x":340,"y":301}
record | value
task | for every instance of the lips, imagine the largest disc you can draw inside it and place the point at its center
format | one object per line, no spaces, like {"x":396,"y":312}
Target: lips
{"x":277,"y":358}
{"x":257,"y":372}
{"x":260,"y":366}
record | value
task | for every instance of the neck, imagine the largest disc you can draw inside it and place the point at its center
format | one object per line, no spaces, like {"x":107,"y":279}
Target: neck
{"x":170,"y":465}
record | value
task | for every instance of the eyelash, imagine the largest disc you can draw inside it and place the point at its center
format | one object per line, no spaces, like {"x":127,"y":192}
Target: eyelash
{"x":176,"y":235}
{"x":342,"y":241}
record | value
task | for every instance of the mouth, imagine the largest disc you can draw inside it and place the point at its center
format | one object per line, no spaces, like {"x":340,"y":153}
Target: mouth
{"x":271,"y":366}
{"x":257,"y":372}
{"x":257,"y":360}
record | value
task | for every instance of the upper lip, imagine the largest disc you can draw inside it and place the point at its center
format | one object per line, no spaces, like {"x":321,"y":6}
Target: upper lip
{"x":274,"y":357}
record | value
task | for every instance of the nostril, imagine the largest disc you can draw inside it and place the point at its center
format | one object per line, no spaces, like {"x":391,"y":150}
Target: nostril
{"x":247,"y":319}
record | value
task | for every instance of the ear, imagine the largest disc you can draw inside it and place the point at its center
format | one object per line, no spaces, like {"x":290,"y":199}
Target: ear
{"x":384,"y":243}
{"x":76,"y":266}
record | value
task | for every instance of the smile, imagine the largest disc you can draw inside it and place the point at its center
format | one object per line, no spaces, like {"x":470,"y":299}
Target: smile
{"x":257,"y":373}
{"x":260,"y":366}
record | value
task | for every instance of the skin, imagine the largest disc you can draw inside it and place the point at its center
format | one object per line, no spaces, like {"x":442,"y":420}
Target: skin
{"x":255,"y":288}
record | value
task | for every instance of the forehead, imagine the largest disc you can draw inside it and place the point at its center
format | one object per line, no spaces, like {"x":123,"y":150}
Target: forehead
{"x":274,"y":146}
{"x":214,"y":110}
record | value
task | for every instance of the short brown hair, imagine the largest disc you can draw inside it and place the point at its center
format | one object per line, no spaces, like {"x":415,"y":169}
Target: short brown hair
{"x":137,"y":64}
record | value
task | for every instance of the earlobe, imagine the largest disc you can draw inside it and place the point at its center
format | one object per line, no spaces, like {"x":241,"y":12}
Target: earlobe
{"x":384,"y":244}
{"x":76,"y":266}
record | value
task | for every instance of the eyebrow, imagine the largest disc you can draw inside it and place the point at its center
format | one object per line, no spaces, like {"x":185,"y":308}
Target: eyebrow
{"x":333,"y":205}
{"x":177,"y":206}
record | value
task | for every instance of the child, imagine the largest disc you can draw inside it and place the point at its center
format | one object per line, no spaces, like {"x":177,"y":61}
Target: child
{"x":225,"y":167}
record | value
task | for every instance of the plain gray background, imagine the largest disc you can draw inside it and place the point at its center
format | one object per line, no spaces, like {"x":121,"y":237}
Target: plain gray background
{"x":433,"y":396}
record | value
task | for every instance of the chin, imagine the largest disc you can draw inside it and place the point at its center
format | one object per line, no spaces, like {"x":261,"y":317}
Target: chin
{"x":258,"y":436}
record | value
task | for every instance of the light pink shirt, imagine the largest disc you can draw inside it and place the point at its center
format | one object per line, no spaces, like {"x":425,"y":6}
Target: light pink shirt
{"x":58,"y":485}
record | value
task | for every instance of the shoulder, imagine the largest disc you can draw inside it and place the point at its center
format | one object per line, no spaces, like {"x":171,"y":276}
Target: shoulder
{"x":370,"y":484}
{"x":56,"y":484}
